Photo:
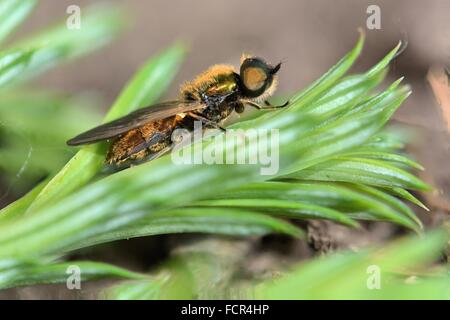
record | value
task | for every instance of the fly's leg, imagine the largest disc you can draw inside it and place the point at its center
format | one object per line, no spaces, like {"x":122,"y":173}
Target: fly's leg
{"x":267,"y":103}
{"x":207,"y":121}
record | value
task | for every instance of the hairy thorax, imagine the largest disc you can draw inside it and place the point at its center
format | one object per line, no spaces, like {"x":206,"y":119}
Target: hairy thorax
{"x":217,"y":88}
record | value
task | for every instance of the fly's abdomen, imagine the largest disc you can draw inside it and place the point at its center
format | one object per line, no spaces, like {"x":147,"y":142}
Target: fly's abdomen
{"x":142,"y":142}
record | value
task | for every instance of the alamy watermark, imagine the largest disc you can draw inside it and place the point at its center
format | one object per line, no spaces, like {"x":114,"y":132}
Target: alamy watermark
{"x":374,"y":279}
{"x":235,"y":146}
{"x":73,"y":281}
{"x":373,"y":21}
{"x":73,"y":21}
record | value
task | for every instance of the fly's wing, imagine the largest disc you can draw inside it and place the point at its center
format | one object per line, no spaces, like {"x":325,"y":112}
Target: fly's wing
{"x":134,"y":120}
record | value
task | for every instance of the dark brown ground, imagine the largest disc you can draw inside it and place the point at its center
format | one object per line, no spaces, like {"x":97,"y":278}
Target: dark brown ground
{"x":309,"y":36}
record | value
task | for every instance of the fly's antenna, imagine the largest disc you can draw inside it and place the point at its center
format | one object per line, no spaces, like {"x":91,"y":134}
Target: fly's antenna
{"x":278,"y":66}
{"x":275,"y":69}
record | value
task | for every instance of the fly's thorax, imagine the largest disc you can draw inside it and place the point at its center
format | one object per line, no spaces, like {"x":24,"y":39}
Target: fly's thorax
{"x":217,"y":88}
{"x":217,"y":80}
{"x":225,"y":86}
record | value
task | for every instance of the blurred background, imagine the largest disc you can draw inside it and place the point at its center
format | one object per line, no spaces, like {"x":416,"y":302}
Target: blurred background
{"x":309,"y":37}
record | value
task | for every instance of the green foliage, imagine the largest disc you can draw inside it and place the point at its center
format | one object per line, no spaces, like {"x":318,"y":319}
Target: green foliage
{"x":57,"y":44}
{"x":348,"y":275}
{"x":215,"y":220}
{"x":35,"y":127}
{"x":35,"y":124}
{"x":13,"y":63}
{"x":29,"y":273}
{"x":336,"y":163}
{"x":12,"y":13}
{"x":399,"y":270}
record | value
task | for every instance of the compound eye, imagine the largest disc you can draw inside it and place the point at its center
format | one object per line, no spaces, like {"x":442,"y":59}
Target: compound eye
{"x":254,"y":78}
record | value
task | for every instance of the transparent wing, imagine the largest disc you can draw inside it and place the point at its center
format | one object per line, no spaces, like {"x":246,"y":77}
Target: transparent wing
{"x":134,"y":120}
